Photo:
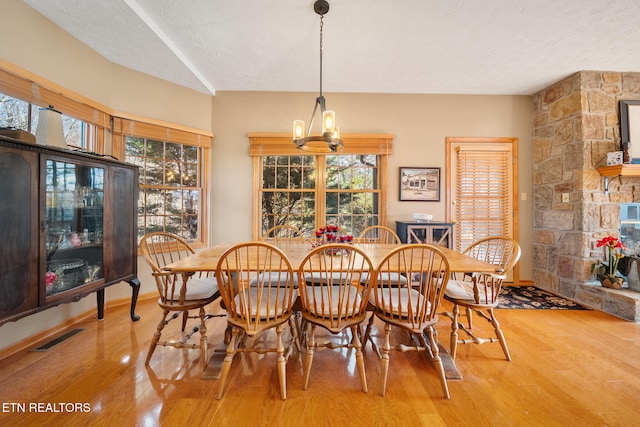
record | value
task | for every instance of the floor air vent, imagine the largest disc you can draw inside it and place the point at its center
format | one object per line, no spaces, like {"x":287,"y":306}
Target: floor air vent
{"x":46,"y":346}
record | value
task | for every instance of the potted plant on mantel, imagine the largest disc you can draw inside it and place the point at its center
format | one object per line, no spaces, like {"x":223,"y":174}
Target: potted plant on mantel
{"x":607,"y":271}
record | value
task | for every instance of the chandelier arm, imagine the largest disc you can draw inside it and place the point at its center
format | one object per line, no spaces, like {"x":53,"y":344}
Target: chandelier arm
{"x":313,"y":115}
{"x":320,"y":102}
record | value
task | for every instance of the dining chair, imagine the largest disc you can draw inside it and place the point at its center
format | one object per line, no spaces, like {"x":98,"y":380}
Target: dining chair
{"x":479,"y":292}
{"x":255,"y":303}
{"x":378,"y":234}
{"x":334,"y":296}
{"x":412,"y":308}
{"x":283,"y":232}
{"x":175,"y":295}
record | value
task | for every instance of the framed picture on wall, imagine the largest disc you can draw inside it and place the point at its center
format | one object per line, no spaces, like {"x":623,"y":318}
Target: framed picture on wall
{"x":420,"y":184}
{"x":630,"y":130}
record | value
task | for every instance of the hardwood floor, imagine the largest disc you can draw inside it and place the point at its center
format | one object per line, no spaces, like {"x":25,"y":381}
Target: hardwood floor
{"x":578,"y":368}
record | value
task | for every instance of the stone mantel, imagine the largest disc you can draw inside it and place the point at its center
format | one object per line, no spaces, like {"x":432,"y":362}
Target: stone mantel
{"x":620,"y":170}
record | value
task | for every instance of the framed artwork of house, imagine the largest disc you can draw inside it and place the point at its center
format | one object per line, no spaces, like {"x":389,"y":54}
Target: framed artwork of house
{"x":420,"y":184}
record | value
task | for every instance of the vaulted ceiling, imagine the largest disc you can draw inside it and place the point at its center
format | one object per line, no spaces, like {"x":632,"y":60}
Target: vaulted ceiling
{"x":501,"y":47}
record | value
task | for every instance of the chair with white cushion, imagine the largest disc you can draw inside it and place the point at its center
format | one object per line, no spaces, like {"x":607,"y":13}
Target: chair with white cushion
{"x":160,"y":249}
{"x":479,"y":292}
{"x":257,"y":284}
{"x":334,"y":297}
{"x":413,"y":307}
{"x":278,"y":235}
{"x":379,"y":234}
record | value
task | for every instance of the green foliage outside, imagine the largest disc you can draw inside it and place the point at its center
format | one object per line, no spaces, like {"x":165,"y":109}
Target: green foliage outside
{"x":289,"y":192}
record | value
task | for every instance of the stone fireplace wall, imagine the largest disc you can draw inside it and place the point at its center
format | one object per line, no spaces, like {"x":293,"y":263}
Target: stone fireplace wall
{"x":576,"y":123}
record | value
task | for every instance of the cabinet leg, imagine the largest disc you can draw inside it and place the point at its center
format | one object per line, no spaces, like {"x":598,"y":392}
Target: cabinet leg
{"x":100,"y":300}
{"x":135,"y":289}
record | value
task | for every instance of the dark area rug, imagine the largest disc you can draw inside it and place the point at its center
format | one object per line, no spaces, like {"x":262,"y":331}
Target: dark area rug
{"x":534,"y":298}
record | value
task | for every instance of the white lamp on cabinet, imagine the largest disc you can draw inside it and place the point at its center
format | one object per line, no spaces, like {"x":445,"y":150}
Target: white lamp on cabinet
{"x":49,"y":130}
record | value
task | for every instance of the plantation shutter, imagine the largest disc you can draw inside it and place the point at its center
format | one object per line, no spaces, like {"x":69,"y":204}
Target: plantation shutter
{"x":483,"y":205}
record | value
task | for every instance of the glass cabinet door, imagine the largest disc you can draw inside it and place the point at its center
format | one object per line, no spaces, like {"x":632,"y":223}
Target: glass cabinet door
{"x":74,"y":195}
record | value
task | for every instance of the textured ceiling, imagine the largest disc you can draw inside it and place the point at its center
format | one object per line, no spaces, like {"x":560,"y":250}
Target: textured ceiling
{"x":513,"y":47}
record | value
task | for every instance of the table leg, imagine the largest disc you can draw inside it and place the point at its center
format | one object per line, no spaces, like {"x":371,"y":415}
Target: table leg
{"x":450,"y":369}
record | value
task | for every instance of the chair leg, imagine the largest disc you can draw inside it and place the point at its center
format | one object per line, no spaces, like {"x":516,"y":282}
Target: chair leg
{"x":156,"y":337}
{"x":185,"y":318}
{"x":228,"y":332}
{"x":367,"y":332}
{"x":437,"y":361}
{"x":384,"y":359}
{"x":311,"y":342}
{"x":203,"y":339}
{"x":469,"y":317}
{"x":226,"y":366}
{"x":282,"y":364}
{"x":453,"y":344}
{"x":499,"y":334}
{"x":293,"y":325}
{"x":359,"y":358}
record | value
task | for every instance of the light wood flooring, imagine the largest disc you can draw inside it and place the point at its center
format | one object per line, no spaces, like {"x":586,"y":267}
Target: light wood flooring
{"x":569,"y":368}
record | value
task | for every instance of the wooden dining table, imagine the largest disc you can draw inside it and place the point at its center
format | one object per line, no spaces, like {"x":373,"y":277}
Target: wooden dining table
{"x":207,"y":260}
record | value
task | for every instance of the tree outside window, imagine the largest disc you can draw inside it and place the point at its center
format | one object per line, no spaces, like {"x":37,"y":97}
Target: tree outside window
{"x":170,"y":186}
{"x":348,"y":195}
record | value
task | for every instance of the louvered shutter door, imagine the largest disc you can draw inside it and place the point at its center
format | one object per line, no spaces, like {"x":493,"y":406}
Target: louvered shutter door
{"x":483,"y":205}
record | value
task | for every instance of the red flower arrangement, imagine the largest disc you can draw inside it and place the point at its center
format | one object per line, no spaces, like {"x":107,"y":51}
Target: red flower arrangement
{"x":330,"y":234}
{"x":606,"y":272}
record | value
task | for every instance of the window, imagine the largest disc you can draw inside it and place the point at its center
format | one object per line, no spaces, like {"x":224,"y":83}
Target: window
{"x":352,"y":191}
{"x":15,"y":113}
{"x":172,"y":158}
{"x":306,"y":191}
{"x":288,"y":194}
{"x":18,"y":114}
{"x":171,"y":177}
{"x":21,"y":99}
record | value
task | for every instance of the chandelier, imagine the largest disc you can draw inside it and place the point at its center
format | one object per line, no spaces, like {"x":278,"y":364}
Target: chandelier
{"x":329,"y":141}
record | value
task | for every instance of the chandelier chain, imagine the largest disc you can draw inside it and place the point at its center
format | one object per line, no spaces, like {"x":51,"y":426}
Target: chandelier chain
{"x":321,"y":25}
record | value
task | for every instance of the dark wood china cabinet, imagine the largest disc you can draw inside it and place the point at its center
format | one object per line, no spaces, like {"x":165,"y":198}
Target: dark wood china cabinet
{"x":67,"y":227}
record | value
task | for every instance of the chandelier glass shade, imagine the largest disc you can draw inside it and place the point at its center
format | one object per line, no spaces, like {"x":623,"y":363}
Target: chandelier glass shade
{"x":329,"y":140}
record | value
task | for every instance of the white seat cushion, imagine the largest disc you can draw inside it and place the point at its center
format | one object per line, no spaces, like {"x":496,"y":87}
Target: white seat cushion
{"x":319,"y":278}
{"x":327,"y":305}
{"x":199,"y":288}
{"x":385,"y":277}
{"x":396,"y":300}
{"x":272,"y":304}
{"x":273,"y":277}
{"x":462,"y":290}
